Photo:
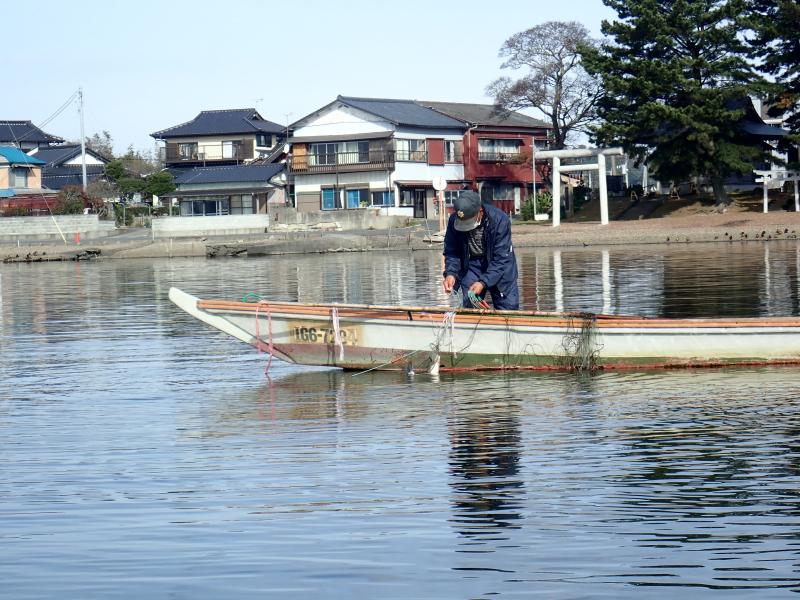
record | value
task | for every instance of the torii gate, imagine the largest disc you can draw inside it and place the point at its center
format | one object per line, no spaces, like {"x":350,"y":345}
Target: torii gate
{"x":600,"y":166}
{"x":778,"y":178}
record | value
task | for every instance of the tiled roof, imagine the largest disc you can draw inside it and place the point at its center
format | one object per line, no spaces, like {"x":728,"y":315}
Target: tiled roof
{"x":57,"y":155}
{"x":13,"y":132}
{"x":57,"y":177}
{"x":222,"y":122}
{"x":485,"y":114}
{"x":402,"y":112}
{"x":15,"y":156}
{"x":230,"y":174}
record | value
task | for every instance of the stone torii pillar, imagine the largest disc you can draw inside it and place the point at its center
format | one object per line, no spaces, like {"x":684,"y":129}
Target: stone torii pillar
{"x":599,"y":166}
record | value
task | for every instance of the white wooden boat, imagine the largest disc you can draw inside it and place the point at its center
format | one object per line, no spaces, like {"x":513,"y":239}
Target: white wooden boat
{"x":401,"y":337}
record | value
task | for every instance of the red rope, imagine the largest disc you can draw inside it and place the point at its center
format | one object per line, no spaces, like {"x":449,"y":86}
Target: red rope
{"x":258,"y":333}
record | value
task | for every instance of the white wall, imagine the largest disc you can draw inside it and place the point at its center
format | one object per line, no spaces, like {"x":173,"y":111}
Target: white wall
{"x":376,"y":180}
{"x":90,"y":160}
{"x":342,"y":120}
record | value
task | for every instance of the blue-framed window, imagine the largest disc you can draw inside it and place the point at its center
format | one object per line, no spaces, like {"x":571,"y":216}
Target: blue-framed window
{"x":328,"y":198}
{"x":357,"y":198}
{"x":385,"y":198}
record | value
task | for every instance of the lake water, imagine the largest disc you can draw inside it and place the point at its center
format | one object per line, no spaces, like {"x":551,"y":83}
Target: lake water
{"x":146,"y":455}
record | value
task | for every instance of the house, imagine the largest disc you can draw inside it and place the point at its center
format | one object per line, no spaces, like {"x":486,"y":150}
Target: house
{"x":21,"y":182}
{"x":229,"y":190}
{"x":497,"y":151}
{"x":25,"y":135}
{"x":356,"y":153}
{"x":219,"y":137}
{"x":64,"y":165}
{"x":19,"y":173}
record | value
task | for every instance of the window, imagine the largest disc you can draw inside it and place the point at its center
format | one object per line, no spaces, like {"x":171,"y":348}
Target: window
{"x":385,"y":198}
{"x":541,"y":144}
{"x":322,"y":154}
{"x":204,"y":207}
{"x":353,"y":152}
{"x":264,"y":140}
{"x":498,"y":150}
{"x":453,"y":151}
{"x":242,"y":205}
{"x":187,"y":151}
{"x":411,"y":150}
{"x":357,"y":198}
{"x":329,"y":199}
{"x":18,"y":177}
{"x":493,"y":192}
{"x":232,"y":149}
{"x":450,"y":195}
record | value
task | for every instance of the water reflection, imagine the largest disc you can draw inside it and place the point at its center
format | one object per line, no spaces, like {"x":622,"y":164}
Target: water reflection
{"x":484,"y":460}
{"x":138,"y":441}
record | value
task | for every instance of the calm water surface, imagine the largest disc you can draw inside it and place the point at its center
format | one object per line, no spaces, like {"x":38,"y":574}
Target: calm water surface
{"x":146,"y":455}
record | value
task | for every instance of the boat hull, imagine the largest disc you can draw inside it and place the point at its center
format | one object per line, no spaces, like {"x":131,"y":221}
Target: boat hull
{"x":413,"y":338}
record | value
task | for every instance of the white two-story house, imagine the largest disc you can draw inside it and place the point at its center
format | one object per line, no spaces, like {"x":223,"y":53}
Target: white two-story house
{"x":358,"y":153}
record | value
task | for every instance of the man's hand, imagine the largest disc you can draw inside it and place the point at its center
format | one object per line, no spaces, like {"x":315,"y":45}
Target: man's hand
{"x":477,"y":288}
{"x":448,"y":283}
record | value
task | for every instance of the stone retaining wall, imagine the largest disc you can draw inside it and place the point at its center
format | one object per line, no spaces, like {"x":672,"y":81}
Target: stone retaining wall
{"x":347,"y":220}
{"x":47,"y":227}
{"x":174,"y":227}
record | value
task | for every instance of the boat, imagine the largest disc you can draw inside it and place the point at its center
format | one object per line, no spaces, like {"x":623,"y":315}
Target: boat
{"x":419,"y":339}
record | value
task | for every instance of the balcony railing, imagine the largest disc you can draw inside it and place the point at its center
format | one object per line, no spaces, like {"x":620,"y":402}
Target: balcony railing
{"x":343,"y":162}
{"x":500,"y":157}
{"x":209,"y":152}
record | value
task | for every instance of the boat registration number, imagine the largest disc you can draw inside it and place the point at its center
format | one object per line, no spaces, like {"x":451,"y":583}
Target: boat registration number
{"x":303,"y":333}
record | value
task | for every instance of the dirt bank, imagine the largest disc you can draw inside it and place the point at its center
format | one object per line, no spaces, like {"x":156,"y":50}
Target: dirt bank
{"x":686,"y":222}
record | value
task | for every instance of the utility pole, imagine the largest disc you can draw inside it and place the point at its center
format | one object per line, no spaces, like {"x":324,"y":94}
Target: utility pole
{"x":533,"y":168}
{"x":83,"y":138}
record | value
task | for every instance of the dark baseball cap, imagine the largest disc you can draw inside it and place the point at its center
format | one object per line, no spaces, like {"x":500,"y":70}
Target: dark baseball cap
{"x":466,"y":206}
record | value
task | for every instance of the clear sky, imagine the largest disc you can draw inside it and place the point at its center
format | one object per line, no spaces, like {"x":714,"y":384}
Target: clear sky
{"x":148,"y":65}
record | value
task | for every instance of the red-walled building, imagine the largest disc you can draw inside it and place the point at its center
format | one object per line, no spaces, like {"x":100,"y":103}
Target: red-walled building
{"x":497,"y":151}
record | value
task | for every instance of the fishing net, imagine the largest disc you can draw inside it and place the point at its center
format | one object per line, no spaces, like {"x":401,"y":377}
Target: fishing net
{"x":580,"y":347}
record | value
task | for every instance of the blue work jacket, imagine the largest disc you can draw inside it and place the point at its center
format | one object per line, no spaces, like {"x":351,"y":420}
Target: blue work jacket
{"x":499,"y":264}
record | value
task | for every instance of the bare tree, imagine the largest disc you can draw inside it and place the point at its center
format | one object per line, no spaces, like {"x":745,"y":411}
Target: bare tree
{"x":556,"y":84}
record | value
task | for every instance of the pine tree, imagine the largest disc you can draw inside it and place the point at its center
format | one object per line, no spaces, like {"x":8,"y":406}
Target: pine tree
{"x":776,"y":44}
{"x":676,"y":79}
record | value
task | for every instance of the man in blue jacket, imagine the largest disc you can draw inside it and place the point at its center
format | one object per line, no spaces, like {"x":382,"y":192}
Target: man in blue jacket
{"x":478,"y":253}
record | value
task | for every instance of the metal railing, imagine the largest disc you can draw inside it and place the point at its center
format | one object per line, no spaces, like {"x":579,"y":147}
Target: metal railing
{"x":333,"y":162}
{"x":507,"y":157}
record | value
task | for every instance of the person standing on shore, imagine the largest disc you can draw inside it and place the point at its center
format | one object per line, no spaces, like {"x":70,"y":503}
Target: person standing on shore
{"x":478,"y":253}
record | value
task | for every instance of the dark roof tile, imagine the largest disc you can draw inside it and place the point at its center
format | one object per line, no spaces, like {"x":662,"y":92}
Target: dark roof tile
{"x":402,"y":112}
{"x":485,"y":114}
{"x":15,"y":132}
{"x":222,"y":122}
{"x":230,"y":174}
{"x":56,"y":155}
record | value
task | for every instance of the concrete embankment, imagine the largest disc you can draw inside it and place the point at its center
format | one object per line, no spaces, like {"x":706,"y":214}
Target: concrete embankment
{"x":728,"y":228}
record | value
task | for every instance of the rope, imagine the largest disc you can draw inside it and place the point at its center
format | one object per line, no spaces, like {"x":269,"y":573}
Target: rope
{"x":580,"y":344}
{"x":448,"y":323}
{"x":476,"y":301}
{"x":258,"y":333}
{"x":394,"y":360}
{"x":337,"y":332}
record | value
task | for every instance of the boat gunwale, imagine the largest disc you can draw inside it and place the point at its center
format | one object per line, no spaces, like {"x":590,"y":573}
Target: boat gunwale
{"x":468,"y":316}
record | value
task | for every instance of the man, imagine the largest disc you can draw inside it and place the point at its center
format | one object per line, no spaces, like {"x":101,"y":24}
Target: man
{"x":478,"y":253}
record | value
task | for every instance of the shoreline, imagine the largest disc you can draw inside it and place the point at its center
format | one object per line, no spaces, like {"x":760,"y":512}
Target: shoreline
{"x":695,"y":228}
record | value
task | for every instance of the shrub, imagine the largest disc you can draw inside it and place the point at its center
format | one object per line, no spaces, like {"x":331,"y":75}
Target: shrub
{"x":71,"y":201}
{"x":544,"y":201}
